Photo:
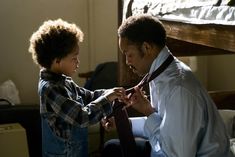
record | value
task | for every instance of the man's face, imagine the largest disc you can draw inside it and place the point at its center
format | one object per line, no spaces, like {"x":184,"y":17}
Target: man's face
{"x":134,"y":59}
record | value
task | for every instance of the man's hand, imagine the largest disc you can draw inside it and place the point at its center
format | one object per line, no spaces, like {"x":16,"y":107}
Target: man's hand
{"x":108,"y":123}
{"x":140,"y":102}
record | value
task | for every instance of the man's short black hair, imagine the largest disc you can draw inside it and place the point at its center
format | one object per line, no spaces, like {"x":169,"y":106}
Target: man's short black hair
{"x":143,"y":28}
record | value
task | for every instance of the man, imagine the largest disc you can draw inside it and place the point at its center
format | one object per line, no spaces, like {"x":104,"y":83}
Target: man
{"x":181,"y":119}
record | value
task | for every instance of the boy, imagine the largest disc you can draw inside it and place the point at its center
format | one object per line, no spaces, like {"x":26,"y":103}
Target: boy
{"x":66,"y":109}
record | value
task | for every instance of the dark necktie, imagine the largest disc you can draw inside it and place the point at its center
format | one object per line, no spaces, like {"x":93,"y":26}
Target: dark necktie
{"x":124,"y":130}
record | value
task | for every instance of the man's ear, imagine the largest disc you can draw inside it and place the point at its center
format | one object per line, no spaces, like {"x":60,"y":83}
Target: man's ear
{"x":146,"y":47}
{"x":57,"y":60}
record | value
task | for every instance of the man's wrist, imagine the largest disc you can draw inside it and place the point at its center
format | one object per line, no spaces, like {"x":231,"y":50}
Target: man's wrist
{"x":149,"y":111}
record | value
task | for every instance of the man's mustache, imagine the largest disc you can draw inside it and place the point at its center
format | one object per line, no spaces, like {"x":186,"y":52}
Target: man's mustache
{"x":132,"y":67}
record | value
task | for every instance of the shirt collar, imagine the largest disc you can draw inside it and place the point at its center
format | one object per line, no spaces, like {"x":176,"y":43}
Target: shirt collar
{"x":162,"y":56}
{"x":49,"y":75}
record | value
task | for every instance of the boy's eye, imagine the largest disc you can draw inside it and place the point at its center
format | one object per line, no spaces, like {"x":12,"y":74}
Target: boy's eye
{"x":75,"y":58}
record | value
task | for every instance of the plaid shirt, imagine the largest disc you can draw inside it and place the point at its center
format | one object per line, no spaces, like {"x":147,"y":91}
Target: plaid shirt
{"x":64,"y":104}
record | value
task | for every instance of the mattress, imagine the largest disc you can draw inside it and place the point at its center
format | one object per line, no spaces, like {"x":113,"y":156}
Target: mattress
{"x":187,"y":11}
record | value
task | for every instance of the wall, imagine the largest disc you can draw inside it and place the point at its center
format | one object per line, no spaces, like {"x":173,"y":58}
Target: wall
{"x":215,"y":72}
{"x":98,"y":20}
{"x":19,"y":19}
{"x":221,"y":73}
{"x":198,"y":65}
{"x":103,"y":31}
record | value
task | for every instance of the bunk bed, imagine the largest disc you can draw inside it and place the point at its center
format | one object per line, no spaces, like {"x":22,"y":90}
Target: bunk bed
{"x":194,"y":28}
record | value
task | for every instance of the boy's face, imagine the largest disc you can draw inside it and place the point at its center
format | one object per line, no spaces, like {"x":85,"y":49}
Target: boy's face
{"x":69,"y":64}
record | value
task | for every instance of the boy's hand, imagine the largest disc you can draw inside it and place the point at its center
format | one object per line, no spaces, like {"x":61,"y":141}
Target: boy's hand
{"x":115,"y":93}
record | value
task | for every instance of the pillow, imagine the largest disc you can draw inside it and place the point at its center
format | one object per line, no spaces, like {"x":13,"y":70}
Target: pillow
{"x":232,"y":145}
{"x":228,"y":117}
{"x":9,"y":92}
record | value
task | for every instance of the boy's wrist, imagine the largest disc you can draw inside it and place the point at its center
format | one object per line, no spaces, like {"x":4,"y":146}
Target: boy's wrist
{"x":107,"y":99}
{"x":103,"y":103}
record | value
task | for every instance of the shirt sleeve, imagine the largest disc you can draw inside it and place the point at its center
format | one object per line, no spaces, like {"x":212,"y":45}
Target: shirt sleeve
{"x":74,"y":111}
{"x":152,"y":130}
{"x":177,"y":130}
{"x":137,"y":124}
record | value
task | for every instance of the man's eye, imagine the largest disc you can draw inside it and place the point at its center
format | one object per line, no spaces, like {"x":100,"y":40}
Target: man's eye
{"x":128,"y":55}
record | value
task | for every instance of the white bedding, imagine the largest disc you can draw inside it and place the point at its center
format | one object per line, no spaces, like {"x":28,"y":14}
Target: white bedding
{"x":232,"y":145}
{"x":228,"y":117}
{"x":189,"y":11}
{"x":223,"y":15}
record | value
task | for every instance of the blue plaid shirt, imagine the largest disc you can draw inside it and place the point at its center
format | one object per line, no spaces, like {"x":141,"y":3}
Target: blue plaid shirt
{"x":64,"y":104}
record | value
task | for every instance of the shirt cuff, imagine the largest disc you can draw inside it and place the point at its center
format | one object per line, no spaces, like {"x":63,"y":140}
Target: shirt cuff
{"x":138,"y":126}
{"x":104,"y":104}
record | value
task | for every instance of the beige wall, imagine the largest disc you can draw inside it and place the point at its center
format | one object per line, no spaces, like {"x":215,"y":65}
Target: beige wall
{"x":198,"y":64}
{"x":103,"y":31}
{"x":216,"y":72}
{"x":221,"y":72}
{"x":98,"y":20}
{"x":20,"y":18}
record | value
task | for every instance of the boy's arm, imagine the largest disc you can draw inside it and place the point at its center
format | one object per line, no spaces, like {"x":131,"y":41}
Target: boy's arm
{"x":76,"y":112}
{"x":88,"y":95}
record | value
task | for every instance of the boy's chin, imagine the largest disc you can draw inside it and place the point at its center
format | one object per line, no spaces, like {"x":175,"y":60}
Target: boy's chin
{"x":73,"y":72}
{"x":70,"y":74}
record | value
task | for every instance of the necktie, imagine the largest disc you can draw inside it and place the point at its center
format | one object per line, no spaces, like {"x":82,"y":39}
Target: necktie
{"x":145,"y":80}
{"x":125,"y":134}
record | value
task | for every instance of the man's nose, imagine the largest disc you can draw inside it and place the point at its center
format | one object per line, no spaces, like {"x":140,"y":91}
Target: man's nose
{"x":127,"y":62}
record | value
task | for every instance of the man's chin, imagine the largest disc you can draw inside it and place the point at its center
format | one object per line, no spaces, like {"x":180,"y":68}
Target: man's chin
{"x":137,"y":73}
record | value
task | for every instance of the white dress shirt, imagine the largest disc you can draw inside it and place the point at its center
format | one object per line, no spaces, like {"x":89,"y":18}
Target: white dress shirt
{"x":187,"y":123}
